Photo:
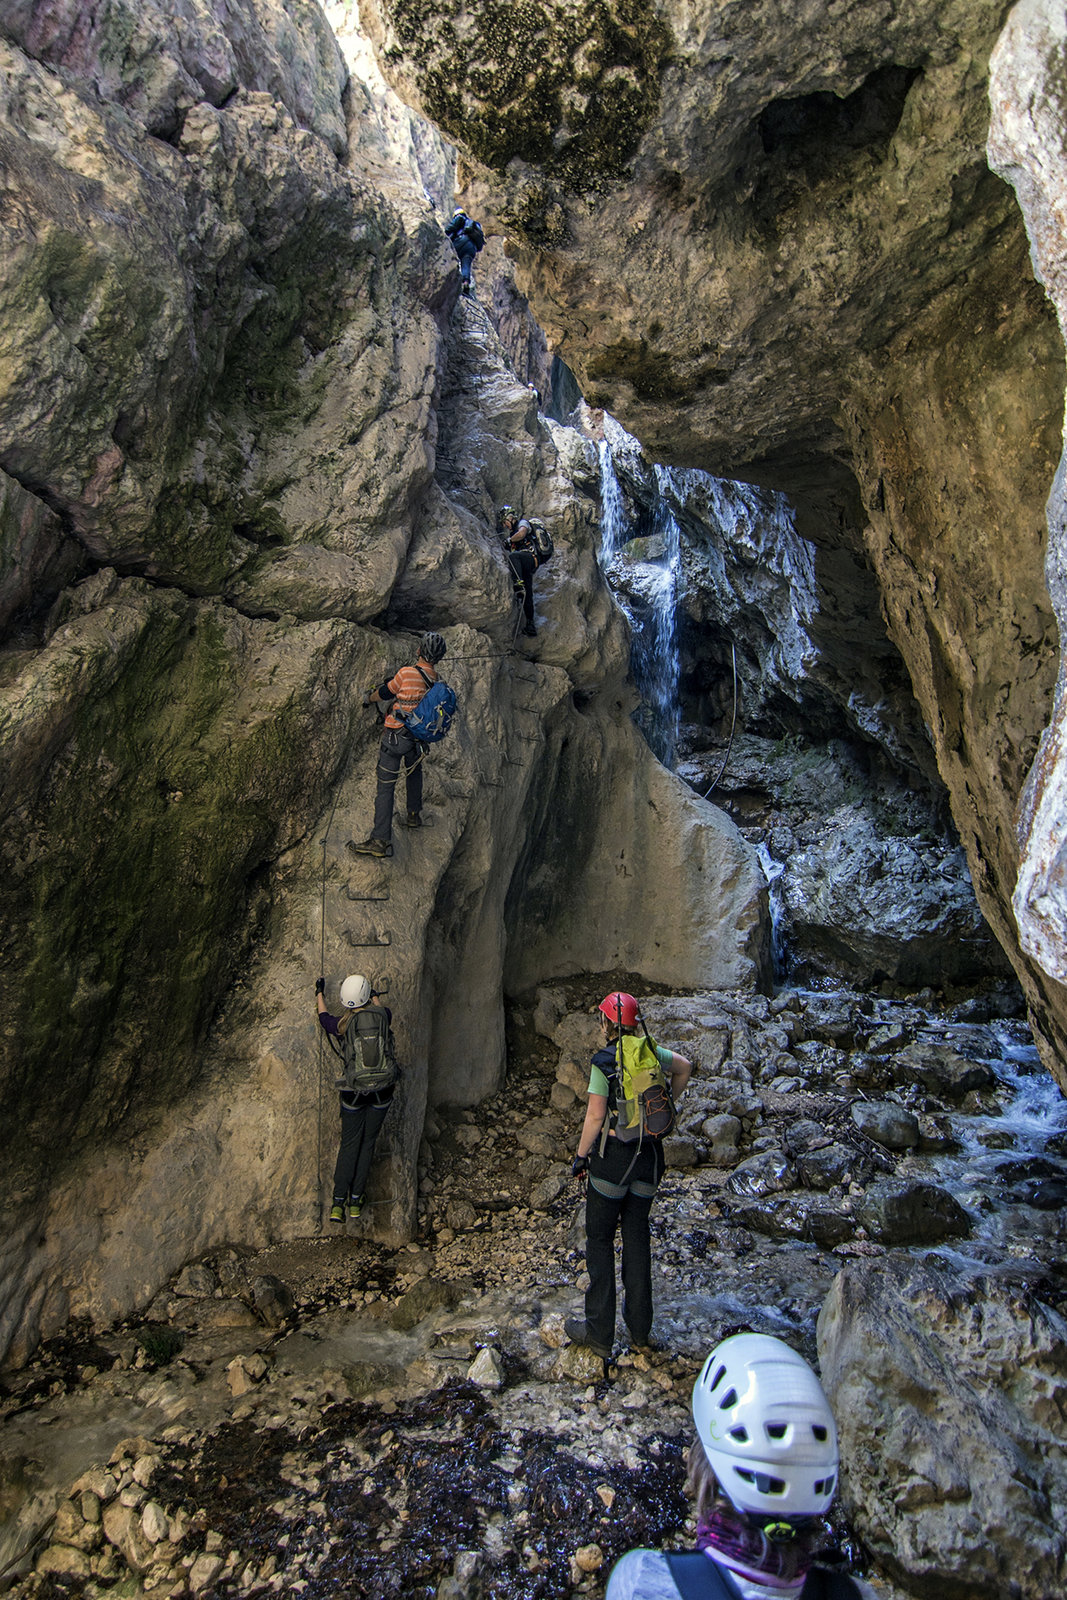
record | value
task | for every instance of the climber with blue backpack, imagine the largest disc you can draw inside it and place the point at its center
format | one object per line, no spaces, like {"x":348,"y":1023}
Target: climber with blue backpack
{"x":419,"y":709}
{"x":633,"y":1086}
{"x":763,"y":1470}
{"x":362,"y":1040}
{"x":467,"y":239}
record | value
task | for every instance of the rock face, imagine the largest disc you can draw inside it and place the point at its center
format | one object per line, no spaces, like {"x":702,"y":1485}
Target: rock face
{"x":792,"y":264}
{"x":949,"y":1471}
{"x":252,"y":445}
{"x":1026,"y":149}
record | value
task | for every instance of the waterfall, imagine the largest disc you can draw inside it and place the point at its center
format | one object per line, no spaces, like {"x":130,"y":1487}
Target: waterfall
{"x":646,"y":586}
{"x":656,"y":666}
{"x":613,"y":519}
{"x":772,"y":871}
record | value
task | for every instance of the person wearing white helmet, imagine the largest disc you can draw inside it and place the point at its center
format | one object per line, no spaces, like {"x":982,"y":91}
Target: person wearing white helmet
{"x":362,"y":1040}
{"x":763,"y":1471}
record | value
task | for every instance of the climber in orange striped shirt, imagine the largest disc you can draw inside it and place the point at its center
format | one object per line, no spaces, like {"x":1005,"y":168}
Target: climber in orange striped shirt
{"x":399,"y":749}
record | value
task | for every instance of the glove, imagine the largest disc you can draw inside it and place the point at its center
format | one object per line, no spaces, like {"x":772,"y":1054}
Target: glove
{"x":579,"y":1166}
{"x":320,"y":985}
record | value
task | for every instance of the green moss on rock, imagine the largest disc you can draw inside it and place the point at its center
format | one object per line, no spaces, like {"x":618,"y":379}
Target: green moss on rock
{"x":570,"y":90}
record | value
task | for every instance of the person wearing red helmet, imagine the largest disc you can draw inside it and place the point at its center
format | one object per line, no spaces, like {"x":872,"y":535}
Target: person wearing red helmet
{"x":624,"y":1174}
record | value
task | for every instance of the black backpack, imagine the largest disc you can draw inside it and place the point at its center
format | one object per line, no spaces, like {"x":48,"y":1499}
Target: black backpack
{"x":544,"y":549}
{"x":367,"y":1051}
{"x":473,"y":231}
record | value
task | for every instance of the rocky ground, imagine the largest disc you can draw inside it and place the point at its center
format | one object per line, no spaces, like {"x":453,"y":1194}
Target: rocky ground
{"x":332,"y":1417}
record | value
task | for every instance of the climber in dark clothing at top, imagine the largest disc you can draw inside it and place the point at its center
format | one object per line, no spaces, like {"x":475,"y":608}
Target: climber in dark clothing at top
{"x":467,"y":239}
{"x":522,"y":559}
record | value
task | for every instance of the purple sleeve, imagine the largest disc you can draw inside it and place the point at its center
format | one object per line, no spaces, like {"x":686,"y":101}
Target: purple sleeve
{"x":329,"y":1023}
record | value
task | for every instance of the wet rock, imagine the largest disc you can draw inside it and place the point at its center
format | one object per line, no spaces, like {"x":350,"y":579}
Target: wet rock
{"x":941,"y":1070}
{"x":831,"y":1164}
{"x":886,"y":1123}
{"x":798,"y":1217}
{"x":766,"y":1173}
{"x":910,"y":1356}
{"x":918,"y":1213}
{"x":551,"y":1331}
{"x":805,"y":1135}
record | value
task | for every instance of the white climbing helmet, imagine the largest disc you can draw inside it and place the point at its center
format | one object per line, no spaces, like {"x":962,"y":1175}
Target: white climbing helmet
{"x":355,"y":991}
{"x":766,"y":1427}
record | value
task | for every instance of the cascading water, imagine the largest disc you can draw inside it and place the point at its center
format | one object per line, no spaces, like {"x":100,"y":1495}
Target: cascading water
{"x":647,"y":587}
{"x":614,"y":522}
{"x":772,"y":871}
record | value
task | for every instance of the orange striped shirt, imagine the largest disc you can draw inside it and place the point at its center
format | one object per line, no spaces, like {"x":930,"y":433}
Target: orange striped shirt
{"x":409,"y":686}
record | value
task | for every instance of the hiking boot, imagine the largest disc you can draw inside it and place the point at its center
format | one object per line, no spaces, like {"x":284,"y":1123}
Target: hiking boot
{"x":530,"y":631}
{"x":578,"y":1333}
{"x":413,"y":819}
{"x":373,"y":847}
{"x":355,"y":1206}
{"x":337,"y":1212}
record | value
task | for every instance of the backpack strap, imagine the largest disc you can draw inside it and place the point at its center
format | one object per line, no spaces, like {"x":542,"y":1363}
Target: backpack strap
{"x":697,"y":1577}
{"x":824,"y":1584}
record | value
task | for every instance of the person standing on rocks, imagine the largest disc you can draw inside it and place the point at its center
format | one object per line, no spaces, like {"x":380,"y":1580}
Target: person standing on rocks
{"x":763,"y":1471}
{"x":467,"y":239}
{"x":365,"y":1046}
{"x":624,"y":1171}
{"x":521,"y":550}
{"x":399,"y":748}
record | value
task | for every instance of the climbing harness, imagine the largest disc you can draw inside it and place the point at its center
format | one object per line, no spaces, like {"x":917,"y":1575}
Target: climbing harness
{"x":733,"y":723}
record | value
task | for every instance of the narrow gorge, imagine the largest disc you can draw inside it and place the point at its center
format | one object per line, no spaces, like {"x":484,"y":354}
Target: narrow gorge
{"x":768,"y":330}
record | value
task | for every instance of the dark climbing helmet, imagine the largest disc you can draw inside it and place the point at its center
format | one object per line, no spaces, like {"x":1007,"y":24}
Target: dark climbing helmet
{"x":431,"y":648}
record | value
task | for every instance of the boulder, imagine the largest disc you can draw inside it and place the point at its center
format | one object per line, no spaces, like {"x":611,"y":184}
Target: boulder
{"x":914,"y":1213}
{"x":886,"y":1123}
{"x":955,"y":1480}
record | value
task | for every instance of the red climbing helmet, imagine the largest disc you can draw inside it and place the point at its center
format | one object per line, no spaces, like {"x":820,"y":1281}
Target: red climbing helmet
{"x":620,"y":1008}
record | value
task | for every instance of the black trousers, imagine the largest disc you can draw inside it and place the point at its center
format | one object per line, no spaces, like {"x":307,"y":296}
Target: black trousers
{"x":360,"y":1126}
{"x":523,"y":565}
{"x":398,"y":749}
{"x":620,"y":1200}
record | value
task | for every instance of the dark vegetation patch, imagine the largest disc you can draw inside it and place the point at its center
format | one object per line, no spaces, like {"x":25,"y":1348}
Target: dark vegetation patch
{"x":376,"y":1500}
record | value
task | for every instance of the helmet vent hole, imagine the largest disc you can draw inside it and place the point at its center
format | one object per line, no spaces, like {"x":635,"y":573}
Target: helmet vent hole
{"x":762,"y":1481}
{"x":719,"y":1376}
{"x":776,"y":1430}
{"x":740,"y":1434}
{"x":729,"y":1399}
{"x":819,"y":1431}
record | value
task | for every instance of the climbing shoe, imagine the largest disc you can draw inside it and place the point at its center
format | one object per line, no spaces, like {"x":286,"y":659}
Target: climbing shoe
{"x":373,"y":847}
{"x":413,"y":819}
{"x":578,"y":1333}
{"x":355,"y":1206}
{"x":337,"y":1212}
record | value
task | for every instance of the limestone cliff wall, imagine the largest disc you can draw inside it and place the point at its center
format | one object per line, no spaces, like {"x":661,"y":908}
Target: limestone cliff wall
{"x":251,"y":445}
{"x":768,"y":239}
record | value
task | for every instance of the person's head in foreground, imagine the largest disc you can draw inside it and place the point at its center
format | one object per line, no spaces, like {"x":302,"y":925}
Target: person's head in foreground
{"x":762,"y":1471}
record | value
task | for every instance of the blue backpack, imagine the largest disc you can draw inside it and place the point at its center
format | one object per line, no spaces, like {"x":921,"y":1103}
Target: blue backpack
{"x":432,"y":717}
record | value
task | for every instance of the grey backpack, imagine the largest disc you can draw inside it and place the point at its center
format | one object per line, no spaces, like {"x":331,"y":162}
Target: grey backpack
{"x":367,"y":1050}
